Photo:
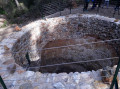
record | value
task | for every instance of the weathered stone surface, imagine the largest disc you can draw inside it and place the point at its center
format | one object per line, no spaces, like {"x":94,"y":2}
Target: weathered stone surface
{"x":86,"y":86}
{"x":26,"y":86}
{"x":29,"y":74}
{"x":17,"y":28}
{"x":6,"y":48}
{"x":1,"y":24}
{"x":58,"y":85}
{"x":42,"y":34}
{"x":9,"y":62}
{"x":76,"y":29}
{"x":99,"y":85}
{"x":11,"y":68}
{"x":36,"y":87}
{"x":2,"y":19}
{"x":116,"y":20}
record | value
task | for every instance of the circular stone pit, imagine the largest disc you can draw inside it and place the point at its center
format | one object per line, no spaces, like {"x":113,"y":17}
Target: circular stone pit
{"x":64,"y":31}
{"x":54,"y":33}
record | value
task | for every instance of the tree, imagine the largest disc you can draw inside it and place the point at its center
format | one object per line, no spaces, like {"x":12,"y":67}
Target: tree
{"x":17,"y":4}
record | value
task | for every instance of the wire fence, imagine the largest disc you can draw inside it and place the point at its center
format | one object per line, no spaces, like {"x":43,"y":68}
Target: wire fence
{"x":105,"y":41}
{"x":48,"y":8}
{"x":65,"y":63}
{"x":68,"y":63}
{"x":38,"y":84}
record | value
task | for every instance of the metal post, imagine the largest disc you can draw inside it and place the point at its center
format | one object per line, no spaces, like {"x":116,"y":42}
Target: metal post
{"x":60,"y":13}
{"x":70,"y":10}
{"x":28,"y":59}
{"x":60,"y":6}
{"x":70,"y":5}
{"x":116,"y":72}
{"x":118,"y":11}
{"x":98,"y":10}
{"x":114,"y":13}
{"x":116,"y":84}
{"x":115,"y":75}
{"x":2,"y":83}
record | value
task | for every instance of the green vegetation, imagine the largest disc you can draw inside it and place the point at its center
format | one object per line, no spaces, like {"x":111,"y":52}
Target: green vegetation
{"x":12,"y":11}
{"x":2,"y":11}
{"x":27,"y":9}
{"x":5,"y":23}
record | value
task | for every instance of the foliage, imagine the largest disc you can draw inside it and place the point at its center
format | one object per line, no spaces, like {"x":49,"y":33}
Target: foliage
{"x":12,"y":11}
{"x":5,"y":23}
{"x":2,"y":11}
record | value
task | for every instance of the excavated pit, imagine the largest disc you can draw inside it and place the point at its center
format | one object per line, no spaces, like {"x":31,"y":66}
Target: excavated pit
{"x":54,"y":42}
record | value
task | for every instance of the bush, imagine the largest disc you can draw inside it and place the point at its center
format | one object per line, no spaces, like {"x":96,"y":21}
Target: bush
{"x":5,"y":23}
{"x":2,"y":11}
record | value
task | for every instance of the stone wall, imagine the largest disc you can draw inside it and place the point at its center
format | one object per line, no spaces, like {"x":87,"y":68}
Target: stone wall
{"x":74,"y":29}
{"x":54,"y":32}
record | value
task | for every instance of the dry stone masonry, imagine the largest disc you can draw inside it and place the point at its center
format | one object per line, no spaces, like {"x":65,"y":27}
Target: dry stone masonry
{"x":56,"y":32}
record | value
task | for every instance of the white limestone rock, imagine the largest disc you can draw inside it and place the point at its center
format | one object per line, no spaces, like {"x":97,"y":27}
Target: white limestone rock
{"x":29,"y":74}
{"x":58,"y":85}
{"x":76,"y":77}
{"x":86,"y":86}
{"x":26,"y":86}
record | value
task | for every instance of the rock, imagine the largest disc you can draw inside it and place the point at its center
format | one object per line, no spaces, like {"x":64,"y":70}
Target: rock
{"x":26,"y":86}
{"x":36,"y":87}
{"x":114,"y":67}
{"x":86,"y":86}
{"x":74,"y":4}
{"x":1,"y":24}
{"x":116,"y":20}
{"x":29,"y":74}
{"x":80,"y":15}
{"x":72,"y":86}
{"x":11,"y":68}
{"x":8,"y":62}
{"x":38,"y":74}
{"x":17,"y":28}
{"x":58,"y":85}
{"x":76,"y":77}
{"x":99,"y":85}
{"x":6,"y":48}
{"x":0,"y":68}
{"x":107,"y":75}
{"x":77,"y":87}
{"x":20,"y":71}
{"x":2,"y":19}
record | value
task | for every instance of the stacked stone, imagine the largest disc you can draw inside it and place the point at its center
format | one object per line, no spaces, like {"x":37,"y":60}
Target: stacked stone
{"x":38,"y":34}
